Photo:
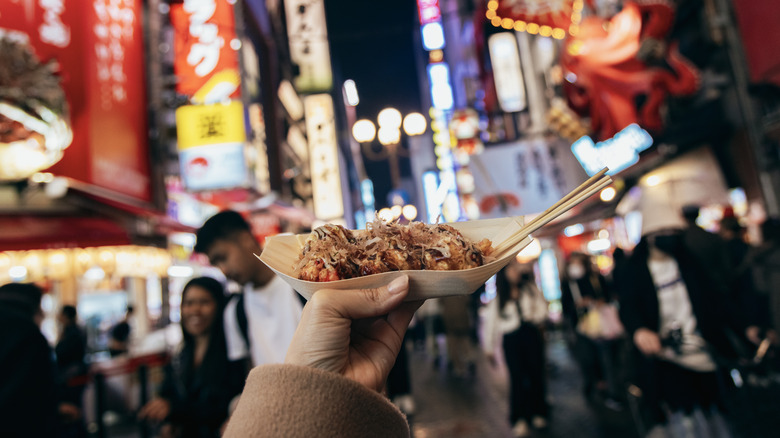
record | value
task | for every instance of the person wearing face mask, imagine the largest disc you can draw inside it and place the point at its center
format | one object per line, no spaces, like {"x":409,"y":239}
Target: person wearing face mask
{"x":586,"y":298}
{"x":682,"y":322}
{"x":200,"y":382}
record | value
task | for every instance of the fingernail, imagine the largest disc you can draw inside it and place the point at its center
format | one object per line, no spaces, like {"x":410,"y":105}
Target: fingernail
{"x":398,"y":285}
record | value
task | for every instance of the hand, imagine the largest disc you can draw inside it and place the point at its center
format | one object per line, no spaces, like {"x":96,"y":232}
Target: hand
{"x":753,"y":334}
{"x":156,"y":410}
{"x":647,"y":341}
{"x":345,"y":332}
{"x":168,"y":431}
{"x":69,"y":412}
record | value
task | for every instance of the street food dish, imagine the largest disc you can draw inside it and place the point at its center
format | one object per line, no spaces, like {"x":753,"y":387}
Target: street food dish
{"x":332,"y":252}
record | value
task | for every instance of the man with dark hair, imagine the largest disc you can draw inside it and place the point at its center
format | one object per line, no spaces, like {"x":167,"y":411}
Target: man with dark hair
{"x":28,"y":391}
{"x":707,"y":248}
{"x":120,"y":335}
{"x":72,"y":345}
{"x":260,"y":323}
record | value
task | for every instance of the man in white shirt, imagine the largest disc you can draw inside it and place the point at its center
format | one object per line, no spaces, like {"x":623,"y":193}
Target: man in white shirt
{"x":261,"y":322}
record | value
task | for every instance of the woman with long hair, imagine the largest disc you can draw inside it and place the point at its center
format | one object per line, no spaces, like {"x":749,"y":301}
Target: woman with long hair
{"x":516,"y":315}
{"x":200,"y":382}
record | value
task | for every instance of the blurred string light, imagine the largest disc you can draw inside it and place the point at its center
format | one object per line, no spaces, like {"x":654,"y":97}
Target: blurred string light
{"x":389,"y":118}
{"x":385,"y":214}
{"x":608,"y":194}
{"x":433,"y":36}
{"x":441,"y":90}
{"x":17,"y":273}
{"x":42,"y":177}
{"x":180,"y":271}
{"x":410,"y":212}
{"x":533,"y":28}
{"x":350,"y":92}
{"x":415,"y":124}
{"x":364,"y":131}
{"x":389,"y":136}
{"x":574,"y":230}
{"x":653,"y":180}
{"x":598,"y":245}
{"x":95,"y":273}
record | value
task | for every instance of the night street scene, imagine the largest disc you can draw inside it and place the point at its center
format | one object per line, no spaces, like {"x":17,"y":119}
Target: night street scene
{"x":389,"y":218}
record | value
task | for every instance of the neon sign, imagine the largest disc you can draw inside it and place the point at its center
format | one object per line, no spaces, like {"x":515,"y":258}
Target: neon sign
{"x":617,"y":153}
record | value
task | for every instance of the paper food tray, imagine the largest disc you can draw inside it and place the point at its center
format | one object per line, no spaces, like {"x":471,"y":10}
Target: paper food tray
{"x":281,"y":253}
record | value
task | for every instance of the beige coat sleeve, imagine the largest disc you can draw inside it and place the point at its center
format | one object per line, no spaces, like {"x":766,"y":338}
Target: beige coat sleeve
{"x":293,"y":401}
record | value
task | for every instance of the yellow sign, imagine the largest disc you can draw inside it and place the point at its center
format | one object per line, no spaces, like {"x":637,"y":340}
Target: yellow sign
{"x":200,"y":125}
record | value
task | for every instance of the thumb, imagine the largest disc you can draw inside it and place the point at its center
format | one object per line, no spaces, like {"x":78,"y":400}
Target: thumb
{"x":364,"y":303}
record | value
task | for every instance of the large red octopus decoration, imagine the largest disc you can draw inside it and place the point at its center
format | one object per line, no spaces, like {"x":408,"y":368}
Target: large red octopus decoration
{"x":605,"y":77}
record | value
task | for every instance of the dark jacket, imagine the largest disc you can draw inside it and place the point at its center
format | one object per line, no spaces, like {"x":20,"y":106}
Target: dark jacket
{"x":200,"y":397}
{"x":71,"y":348}
{"x":593,"y":285}
{"x":70,"y":352}
{"x":717,"y":319}
{"x":28,"y":390}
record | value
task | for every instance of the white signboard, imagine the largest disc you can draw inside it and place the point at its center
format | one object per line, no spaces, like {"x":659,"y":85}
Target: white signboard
{"x":213,"y":167}
{"x":507,"y":72}
{"x":309,"y":49}
{"x":525,"y":177}
{"x":323,"y":153}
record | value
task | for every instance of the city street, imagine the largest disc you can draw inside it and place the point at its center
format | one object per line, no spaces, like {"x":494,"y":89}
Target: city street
{"x":453,"y":407}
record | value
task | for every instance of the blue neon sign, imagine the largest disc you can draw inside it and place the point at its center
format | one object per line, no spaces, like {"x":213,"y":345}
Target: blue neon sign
{"x":617,"y":153}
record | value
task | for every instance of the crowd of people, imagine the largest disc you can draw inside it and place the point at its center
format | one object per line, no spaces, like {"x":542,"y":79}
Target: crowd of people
{"x":658,"y":331}
{"x":672,"y":320}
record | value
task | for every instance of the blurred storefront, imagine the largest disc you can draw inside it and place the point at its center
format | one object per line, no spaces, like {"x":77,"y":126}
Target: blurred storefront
{"x":91,"y":228}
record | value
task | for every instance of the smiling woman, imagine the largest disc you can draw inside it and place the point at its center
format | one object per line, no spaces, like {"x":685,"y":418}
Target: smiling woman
{"x":201,"y":382}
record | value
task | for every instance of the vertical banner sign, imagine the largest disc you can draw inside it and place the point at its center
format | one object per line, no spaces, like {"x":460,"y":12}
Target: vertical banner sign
{"x":507,"y":72}
{"x":205,"y":61}
{"x":98,"y":45}
{"x":323,"y":153}
{"x":309,"y":49}
{"x":118,"y":104}
{"x":211,"y":146}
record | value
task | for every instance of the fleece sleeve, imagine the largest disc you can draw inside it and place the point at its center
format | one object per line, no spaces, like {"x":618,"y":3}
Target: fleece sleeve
{"x":294,"y":401}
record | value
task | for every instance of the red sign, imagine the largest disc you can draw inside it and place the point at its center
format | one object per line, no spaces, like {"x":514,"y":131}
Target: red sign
{"x":98,"y":46}
{"x":204,"y":61}
{"x":429,"y":11}
{"x":761,"y":37}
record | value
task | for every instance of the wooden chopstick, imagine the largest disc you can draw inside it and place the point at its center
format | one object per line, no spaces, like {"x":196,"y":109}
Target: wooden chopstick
{"x":568,"y":205}
{"x":576,"y":196}
{"x":580,"y":188}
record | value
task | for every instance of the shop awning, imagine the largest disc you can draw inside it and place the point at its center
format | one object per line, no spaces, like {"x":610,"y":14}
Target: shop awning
{"x":107,"y":201}
{"x":27,"y":232}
